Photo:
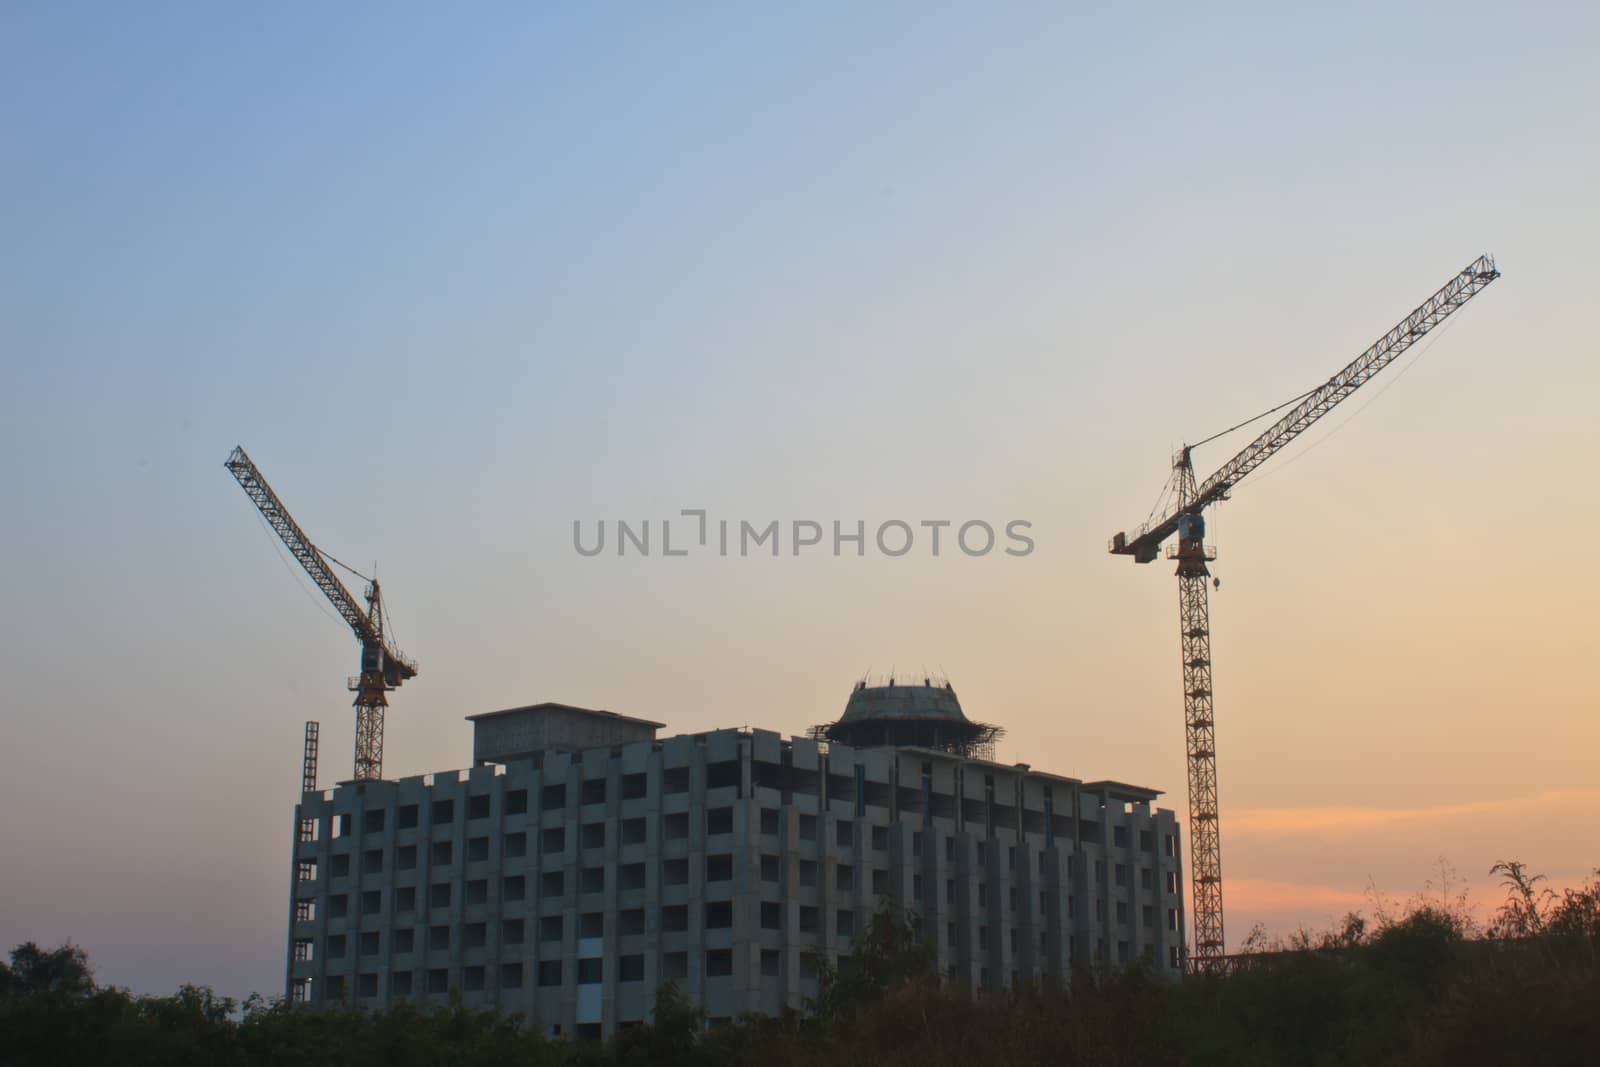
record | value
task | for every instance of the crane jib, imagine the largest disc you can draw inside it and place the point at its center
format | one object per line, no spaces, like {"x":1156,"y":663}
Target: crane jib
{"x":1145,"y":541}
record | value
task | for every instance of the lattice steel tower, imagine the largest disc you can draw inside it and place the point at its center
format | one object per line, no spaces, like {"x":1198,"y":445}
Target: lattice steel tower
{"x":1185,"y":516}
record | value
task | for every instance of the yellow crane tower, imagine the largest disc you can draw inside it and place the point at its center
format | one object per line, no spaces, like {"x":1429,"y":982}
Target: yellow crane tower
{"x":1185,"y":517}
{"x":382,"y":666}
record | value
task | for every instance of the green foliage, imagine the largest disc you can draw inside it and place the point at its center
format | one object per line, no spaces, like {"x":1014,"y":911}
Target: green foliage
{"x":1416,"y":987}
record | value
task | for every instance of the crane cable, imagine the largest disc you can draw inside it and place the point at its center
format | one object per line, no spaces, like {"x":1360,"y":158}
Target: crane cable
{"x":1255,"y":418}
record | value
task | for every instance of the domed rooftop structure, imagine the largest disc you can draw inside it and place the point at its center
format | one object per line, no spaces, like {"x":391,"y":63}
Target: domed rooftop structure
{"x":923,"y":714}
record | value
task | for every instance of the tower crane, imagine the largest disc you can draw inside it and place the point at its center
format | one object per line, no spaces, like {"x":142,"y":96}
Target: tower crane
{"x":382,"y":666}
{"x":1185,"y":517}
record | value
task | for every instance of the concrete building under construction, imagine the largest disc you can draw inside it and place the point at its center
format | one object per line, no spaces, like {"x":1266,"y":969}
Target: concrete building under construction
{"x":582,"y":861}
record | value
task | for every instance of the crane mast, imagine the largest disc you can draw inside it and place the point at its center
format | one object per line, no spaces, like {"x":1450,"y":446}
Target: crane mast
{"x":1186,"y":518}
{"x":383,"y":667}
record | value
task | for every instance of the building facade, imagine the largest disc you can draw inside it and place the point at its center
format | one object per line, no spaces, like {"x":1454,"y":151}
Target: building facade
{"x":582,"y":862}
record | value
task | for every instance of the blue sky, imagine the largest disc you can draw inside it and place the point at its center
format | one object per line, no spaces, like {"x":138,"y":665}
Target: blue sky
{"x":456,"y":279}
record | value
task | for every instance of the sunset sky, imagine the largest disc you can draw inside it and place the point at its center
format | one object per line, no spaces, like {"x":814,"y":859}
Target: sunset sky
{"x":458,"y":277}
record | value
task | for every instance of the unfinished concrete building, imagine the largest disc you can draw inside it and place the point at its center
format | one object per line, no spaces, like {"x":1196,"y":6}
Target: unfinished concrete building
{"x":581,"y":862}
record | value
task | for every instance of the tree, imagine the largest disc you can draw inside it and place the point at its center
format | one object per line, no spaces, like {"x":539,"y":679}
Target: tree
{"x":62,"y":971}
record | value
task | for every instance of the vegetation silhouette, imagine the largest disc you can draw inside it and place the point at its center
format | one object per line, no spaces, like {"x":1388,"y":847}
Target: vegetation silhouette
{"x":1421,"y":984}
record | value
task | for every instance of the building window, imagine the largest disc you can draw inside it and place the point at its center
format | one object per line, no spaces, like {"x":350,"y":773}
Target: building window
{"x":338,"y":906}
{"x":478,"y":891}
{"x":593,"y":791}
{"x":406,"y":817}
{"x":630,"y":921}
{"x":511,"y":931}
{"x":438,"y":939}
{"x":808,"y":920}
{"x":372,"y":821}
{"x":511,"y":976}
{"x":1119,"y":836}
{"x":306,"y":871}
{"x":631,"y":876}
{"x":300,"y":991}
{"x":369,"y":943}
{"x":305,"y":911}
{"x":880,"y":838}
{"x":675,"y":872}
{"x":550,"y":928}
{"x":438,"y":980}
{"x":771,"y":962}
{"x":302,"y":949}
{"x":472,"y":979}
{"x":517,"y":802}
{"x":1172,"y":881}
{"x":400,"y":983}
{"x":771,"y":915}
{"x":719,"y":868}
{"x":675,"y":780}
{"x":592,"y":924}
{"x":552,"y":884}
{"x":335,"y":987}
{"x":719,"y":963}
{"x":366,"y":985}
{"x":844,"y":833}
{"x":371,"y":901}
{"x":1122,"y":913}
{"x":555,"y":839}
{"x":630,"y":968}
{"x":439,"y":895}
{"x":808,"y":827}
{"x":719,"y":915}
{"x":444,"y":811}
{"x":769,"y":868}
{"x":674,"y":966}
{"x":844,"y":877}
{"x":405,"y":857}
{"x":478,"y":806}
{"x":808,"y":873}
{"x":477,"y":849}
{"x":1121,"y":872}
{"x":336,"y":946}
{"x":845,"y":923}
{"x":675,"y":917}
{"x":553,"y":797}
{"x":549,"y":972}
{"x":675,"y":825}
{"x":405,"y":941}
{"x":635,"y":786}
{"x":880,"y":881}
{"x":593,"y":880}
{"x":476,"y":935}
{"x":340,"y":864}
{"x":594,"y":835}
{"x":719,"y":821}
{"x":769,"y":822}
{"x":1172,"y":919}
{"x":635,"y":831}
{"x":591,"y":971}
{"x":443,"y":853}
{"x":516,"y":845}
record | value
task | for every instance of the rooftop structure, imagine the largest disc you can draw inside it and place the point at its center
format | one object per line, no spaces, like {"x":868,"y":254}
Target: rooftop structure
{"x":925,"y":715}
